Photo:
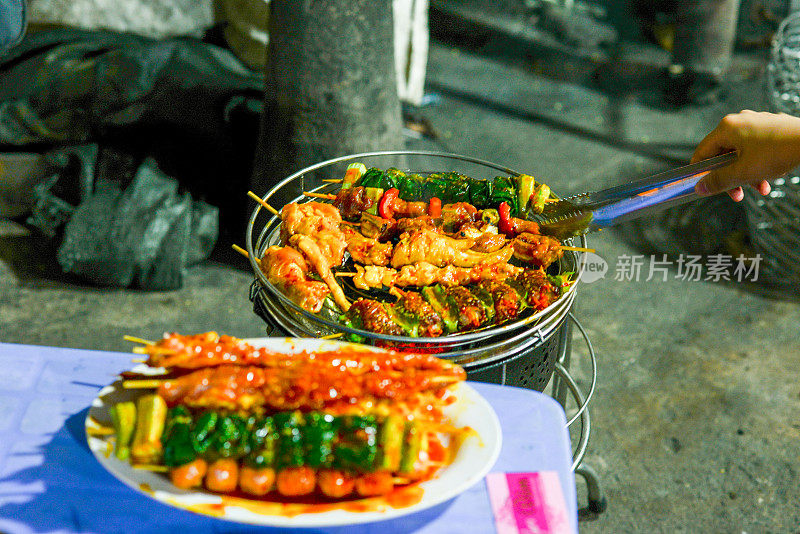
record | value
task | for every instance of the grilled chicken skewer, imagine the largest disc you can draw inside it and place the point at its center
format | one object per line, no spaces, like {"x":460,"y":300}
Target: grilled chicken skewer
{"x":287,"y":269}
{"x":175,"y":351}
{"x":426,"y":274}
{"x":313,"y":229}
{"x":439,"y":250}
{"x":243,"y":387}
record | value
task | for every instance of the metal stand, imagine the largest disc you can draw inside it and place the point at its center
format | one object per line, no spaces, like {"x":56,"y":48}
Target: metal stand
{"x":564,"y":384}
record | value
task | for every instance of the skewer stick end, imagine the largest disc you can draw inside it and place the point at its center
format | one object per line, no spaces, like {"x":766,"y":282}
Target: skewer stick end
{"x":263,"y":203}
{"x":151,"y":467}
{"x":142,"y":384}
{"x":319,"y":195}
{"x":579,"y":249}
{"x":138,"y":340}
{"x":243,"y":252}
{"x":333,"y":336}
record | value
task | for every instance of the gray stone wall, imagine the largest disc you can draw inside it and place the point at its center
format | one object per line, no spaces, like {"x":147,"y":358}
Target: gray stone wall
{"x":152,"y":18}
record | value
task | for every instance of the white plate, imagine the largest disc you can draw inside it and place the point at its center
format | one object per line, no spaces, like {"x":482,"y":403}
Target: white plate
{"x":475,"y":458}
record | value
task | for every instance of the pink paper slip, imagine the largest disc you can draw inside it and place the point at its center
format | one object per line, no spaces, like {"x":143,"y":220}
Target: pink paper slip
{"x":528,"y":503}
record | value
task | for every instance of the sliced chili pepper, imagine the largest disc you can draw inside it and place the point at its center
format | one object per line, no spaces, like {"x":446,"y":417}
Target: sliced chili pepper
{"x":435,"y":207}
{"x":504,"y":224}
{"x":386,"y":205}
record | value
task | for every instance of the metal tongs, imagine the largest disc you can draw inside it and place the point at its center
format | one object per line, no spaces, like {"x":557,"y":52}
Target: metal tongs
{"x":587,"y":212}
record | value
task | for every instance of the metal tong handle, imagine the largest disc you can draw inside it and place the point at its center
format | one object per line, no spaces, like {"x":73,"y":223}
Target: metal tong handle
{"x":657,"y":192}
{"x":666,"y":178}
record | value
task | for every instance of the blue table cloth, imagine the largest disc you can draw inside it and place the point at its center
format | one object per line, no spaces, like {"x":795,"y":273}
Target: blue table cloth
{"x":51,"y":482}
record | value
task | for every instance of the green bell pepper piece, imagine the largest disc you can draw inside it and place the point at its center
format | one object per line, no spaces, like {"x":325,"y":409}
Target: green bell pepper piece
{"x":357,"y":445}
{"x":229,"y":439}
{"x":178,"y":448}
{"x":203,"y":430}
{"x":436,"y":296}
{"x":289,"y":451}
{"x":263,"y":439}
{"x":319,"y":432}
{"x":372,"y":178}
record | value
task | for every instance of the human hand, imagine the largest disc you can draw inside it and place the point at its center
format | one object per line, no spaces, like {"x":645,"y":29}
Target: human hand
{"x":768,"y":145}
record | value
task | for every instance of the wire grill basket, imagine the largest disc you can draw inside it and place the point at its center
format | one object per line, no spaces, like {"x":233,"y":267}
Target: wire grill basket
{"x":478,"y":351}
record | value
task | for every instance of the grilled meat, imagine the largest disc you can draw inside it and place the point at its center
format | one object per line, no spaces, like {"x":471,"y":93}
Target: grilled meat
{"x":371,"y":315}
{"x":437,"y":310}
{"x":472,"y":311}
{"x":539,"y":293}
{"x":318,"y":221}
{"x":455,"y":215}
{"x":287,"y":269}
{"x":375,"y":227}
{"x":430,"y":247}
{"x":236,"y":387}
{"x":365,"y":250}
{"x":354,"y":201}
{"x":424,"y":274}
{"x":322,"y":264}
{"x":538,"y":250}
{"x":507,"y":302}
{"x":417,"y":312}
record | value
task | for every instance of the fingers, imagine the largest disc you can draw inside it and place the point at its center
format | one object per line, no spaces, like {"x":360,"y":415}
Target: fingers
{"x":763,"y":187}
{"x":714,"y":182}
{"x":736,"y":194}
{"x":709,"y":147}
{"x":719,"y":140}
{"x":711,"y":184}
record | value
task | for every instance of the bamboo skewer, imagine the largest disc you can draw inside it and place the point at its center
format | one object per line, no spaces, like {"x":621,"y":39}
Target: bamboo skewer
{"x":155,"y":383}
{"x":579,"y":249}
{"x":332,"y":180}
{"x":344,"y":273}
{"x":151,"y":467}
{"x":138,"y":340}
{"x":332,"y":336}
{"x":152,"y":350}
{"x":263,"y":203}
{"x":326,"y":196}
{"x":147,"y":383}
{"x":244,"y":253}
{"x":100,"y":431}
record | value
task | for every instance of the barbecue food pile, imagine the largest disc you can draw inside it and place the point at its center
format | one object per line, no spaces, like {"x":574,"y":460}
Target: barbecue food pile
{"x":456,"y":254}
{"x":231,"y":417}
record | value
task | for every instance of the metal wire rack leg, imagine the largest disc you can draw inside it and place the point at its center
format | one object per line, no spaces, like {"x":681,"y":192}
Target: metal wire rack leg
{"x":596,"y":500}
{"x":564,"y":382}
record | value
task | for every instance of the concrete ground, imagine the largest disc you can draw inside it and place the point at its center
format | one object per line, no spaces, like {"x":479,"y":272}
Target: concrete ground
{"x":694,"y":420}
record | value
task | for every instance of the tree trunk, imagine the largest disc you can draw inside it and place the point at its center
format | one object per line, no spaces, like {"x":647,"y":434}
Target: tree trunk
{"x":330,"y":85}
